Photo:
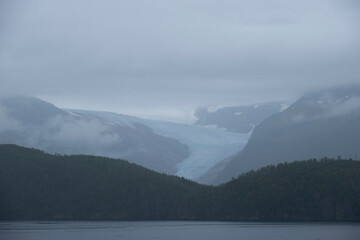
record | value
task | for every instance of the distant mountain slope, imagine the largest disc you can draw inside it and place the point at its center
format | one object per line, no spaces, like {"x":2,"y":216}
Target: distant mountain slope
{"x":39,"y":186}
{"x":30,"y":122}
{"x":240,"y":119}
{"x":324,"y":123}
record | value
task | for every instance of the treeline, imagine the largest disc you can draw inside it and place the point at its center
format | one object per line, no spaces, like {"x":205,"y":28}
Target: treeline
{"x":39,"y":186}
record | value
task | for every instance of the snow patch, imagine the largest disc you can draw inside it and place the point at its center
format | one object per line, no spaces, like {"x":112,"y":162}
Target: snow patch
{"x":73,"y":114}
{"x":283,"y":107}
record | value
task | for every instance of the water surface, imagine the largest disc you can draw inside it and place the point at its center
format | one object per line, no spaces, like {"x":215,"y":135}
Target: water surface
{"x":176,"y":230}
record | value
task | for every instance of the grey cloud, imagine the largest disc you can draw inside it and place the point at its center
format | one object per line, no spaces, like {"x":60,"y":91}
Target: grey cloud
{"x":153,"y":54}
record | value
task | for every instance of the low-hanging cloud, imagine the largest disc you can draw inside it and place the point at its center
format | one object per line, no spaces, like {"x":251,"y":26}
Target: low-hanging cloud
{"x":62,"y":134}
{"x":71,"y":130}
{"x":7,"y":123}
{"x":329,"y":107}
{"x":351,"y":105}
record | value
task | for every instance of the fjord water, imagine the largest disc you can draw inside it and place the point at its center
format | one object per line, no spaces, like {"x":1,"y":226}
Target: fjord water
{"x":175,"y":230}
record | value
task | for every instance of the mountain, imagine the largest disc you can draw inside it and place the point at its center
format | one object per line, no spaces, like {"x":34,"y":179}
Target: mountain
{"x":320,"y":124}
{"x":239,"y":119}
{"x":39,"y":186}
{"x":31,"y":122}
{"x":180,"y":149}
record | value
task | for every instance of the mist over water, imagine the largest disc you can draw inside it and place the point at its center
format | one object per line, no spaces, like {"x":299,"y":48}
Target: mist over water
{"x":177,"y":230}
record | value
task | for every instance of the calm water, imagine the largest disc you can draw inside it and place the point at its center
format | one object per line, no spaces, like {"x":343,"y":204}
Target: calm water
{"x":177,"y":230}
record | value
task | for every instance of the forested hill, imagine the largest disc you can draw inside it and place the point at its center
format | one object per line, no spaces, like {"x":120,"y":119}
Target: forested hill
{"x":36,"y":185}
{"x":325,"y":190}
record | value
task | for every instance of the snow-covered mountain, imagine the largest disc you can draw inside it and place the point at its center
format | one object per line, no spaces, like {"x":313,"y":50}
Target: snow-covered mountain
{"x":184,"y":150}
{"x":239,"y":119}
{"x":320,"y":124}
{"x":207,"y":146}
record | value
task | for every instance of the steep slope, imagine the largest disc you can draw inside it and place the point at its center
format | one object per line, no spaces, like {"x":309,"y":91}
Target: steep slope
{"x":324,"y":123}
{"x":239,"y":119}
{"x":39,"y":186}
{"x":30,"y":122}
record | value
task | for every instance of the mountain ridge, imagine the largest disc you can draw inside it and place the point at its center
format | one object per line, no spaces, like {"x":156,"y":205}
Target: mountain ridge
{"x":320,"y":124}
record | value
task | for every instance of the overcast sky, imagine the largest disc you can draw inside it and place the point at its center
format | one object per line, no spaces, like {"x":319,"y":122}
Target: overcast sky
{"x":165,"y":58}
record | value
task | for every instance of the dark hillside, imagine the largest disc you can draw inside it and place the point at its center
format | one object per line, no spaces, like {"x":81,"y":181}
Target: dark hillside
{"x":326,"y":190}
{"x":35,"y":185}
{"x":39,"y":186}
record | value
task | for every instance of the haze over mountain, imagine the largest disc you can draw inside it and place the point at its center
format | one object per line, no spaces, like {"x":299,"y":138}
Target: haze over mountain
{"x":320,"y":124}
{"x":180,"y":149}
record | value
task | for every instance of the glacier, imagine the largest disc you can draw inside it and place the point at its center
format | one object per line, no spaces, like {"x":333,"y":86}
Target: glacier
{"x":207,"y":146}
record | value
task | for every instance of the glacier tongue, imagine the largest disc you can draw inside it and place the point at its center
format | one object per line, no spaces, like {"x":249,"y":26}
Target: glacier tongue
{"x":205,"y":156}
{"x":208,"y":146}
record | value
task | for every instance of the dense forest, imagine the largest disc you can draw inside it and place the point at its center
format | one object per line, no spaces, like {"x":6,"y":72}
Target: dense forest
{"x":35,"y":185}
